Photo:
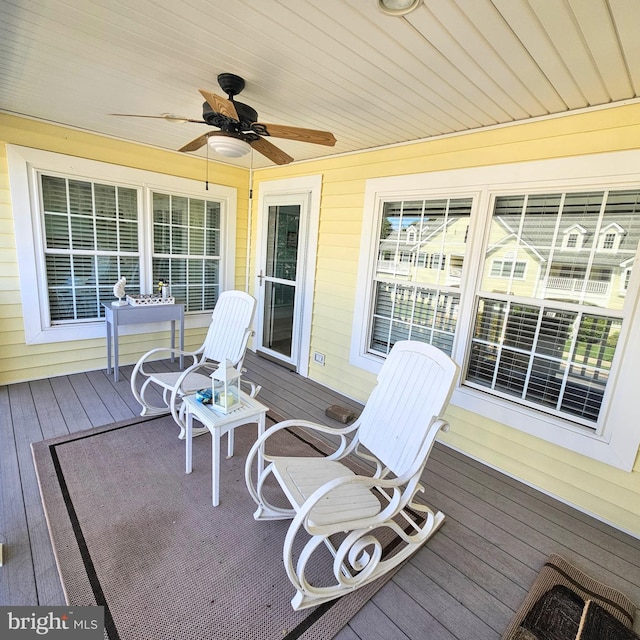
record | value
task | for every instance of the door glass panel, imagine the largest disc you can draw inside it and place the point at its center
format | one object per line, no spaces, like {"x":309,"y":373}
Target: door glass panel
{"x":278,"y":317}
{"x":282,"y":242}
{"x":283,"y":227}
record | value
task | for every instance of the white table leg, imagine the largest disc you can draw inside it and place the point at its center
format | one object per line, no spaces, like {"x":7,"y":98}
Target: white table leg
{"x":230,"y":443}
{"x":215,"y":467}
{"x":188,"y":441}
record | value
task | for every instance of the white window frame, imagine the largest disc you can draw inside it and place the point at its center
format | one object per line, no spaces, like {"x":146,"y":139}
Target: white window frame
{"x":24,"y":166}
{"x":616,"y":440}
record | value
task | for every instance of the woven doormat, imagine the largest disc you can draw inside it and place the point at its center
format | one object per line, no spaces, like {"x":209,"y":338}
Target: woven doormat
{"x":564,"y":603}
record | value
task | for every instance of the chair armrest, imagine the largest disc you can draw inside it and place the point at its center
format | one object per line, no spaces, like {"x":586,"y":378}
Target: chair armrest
{"x":311,"y":426}
{"x":169,"y":350}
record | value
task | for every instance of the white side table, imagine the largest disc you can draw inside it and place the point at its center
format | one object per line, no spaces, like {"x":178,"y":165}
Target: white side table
{"x":219,"y":424}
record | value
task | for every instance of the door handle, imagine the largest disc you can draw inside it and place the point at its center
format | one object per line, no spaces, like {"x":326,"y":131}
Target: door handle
{"x":260,"y":277}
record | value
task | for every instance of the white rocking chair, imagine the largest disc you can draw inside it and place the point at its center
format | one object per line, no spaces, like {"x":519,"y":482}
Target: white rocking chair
{"x":227,"y":338}
{"x":392,"y":438}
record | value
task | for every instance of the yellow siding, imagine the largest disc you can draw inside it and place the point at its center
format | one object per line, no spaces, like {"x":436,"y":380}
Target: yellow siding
{"x":20,"y":362}
{"x":597,"y":488}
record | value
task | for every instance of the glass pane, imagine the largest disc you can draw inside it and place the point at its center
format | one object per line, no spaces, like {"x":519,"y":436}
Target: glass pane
{"x":128,"y":236}
{"x":210,"y":296}
{"x":82,"y":230}
{"x":196,"y":213}
{"x":196,"y":241}
{"x":411,"y":313}
{"x":179,"y":211}
{"x":213,"y":215}
{"x":161,"y":271}
{"x":105,"y":201}
{"x":108,"y":272}
{"x":196,"y":269}
{"x":282,"y":242}
{"x":84,"y":273}
{"x":161,"y":239}
{"x":58,"y":271}
{"x":212,"y":247}
{"x":161,"y":209}
{"x":130,"y":269}
{"x":107,"y":232}
{"x":54,"y":194}
{"x":278,"y":317}
{"x":56,"y":230}
{"x":80,"y":198}
{"x":128,"y":204}
{"x":179,"y":240}
{"x":613,"y":264}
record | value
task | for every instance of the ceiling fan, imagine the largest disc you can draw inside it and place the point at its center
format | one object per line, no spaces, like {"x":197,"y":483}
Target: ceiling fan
{"x":239,"y":129}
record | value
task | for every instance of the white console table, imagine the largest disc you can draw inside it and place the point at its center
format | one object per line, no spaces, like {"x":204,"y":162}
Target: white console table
{"x":129,"y":314}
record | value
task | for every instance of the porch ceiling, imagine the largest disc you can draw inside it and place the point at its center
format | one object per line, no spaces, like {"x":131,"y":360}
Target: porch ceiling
{"x":337,"y":65}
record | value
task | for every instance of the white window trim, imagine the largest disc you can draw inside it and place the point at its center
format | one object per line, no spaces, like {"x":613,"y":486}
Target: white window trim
{"x":617,"y":439}
{"x":25,"y":164}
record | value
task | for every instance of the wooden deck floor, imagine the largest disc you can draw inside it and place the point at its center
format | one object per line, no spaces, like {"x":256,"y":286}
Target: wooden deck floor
{"x":465,"y":584}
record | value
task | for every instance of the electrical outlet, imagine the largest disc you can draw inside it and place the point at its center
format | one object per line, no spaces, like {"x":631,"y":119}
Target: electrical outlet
{"x":318,"y":358}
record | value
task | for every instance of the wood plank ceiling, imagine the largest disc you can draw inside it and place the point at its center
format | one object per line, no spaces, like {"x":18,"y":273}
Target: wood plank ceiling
{"x":337,"y":65}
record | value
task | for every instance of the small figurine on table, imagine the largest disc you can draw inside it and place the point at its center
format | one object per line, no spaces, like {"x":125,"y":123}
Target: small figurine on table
{"x":163,"y":288}
{"x":118,"y":292}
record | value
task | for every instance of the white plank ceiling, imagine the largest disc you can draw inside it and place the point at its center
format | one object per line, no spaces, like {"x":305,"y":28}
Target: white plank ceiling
{"x":336,"y":65}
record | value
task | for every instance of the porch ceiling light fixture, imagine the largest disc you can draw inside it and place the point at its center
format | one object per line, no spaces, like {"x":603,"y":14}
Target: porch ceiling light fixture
{"x":229,"y":146}
{"x":397,"y":7}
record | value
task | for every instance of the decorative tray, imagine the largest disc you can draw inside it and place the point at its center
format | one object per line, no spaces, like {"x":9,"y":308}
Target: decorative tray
{"x":149,"y":299}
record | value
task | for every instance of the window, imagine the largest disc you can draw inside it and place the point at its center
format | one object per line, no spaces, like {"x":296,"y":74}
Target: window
{"x":415,"y":295}
{"x":552,"y":355}
{"x":508,"y":269}
{"x":91,"y":223}
{"x":542,"y":311}
{"x":90,"y":241}
{"x":611,"y":237}
{"x":187,"y":247}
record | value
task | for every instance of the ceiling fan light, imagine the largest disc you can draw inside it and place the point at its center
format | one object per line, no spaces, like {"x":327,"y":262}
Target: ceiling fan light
{"x":397,"y":7}
{"x":229,"y":146}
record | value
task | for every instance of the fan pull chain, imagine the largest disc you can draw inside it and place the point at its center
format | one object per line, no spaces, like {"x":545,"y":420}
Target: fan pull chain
{"x":206,"y":180}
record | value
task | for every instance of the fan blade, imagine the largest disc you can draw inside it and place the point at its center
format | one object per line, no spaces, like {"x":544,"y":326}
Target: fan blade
{"x":294,"y":133}
{"x":270,"y":151}
{"x":194,"y":145}
{"x":219,"y":104}
{"x":165,"y":116}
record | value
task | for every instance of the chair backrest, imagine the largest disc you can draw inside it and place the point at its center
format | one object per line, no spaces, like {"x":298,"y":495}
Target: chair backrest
{"x":230,"y":327}
{"x":414,"y":386}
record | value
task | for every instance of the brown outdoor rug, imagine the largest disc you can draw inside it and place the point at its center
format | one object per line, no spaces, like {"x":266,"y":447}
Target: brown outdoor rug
{"x":132,"y":532}
{"x":566,"y":604}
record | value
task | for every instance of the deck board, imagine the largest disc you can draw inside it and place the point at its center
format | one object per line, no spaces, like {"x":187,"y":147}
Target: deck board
{"x":466,"y":583}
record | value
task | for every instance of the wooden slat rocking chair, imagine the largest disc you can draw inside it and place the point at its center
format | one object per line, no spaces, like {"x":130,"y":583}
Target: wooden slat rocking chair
{"x":353,"y":511}
{"x":226,"y":339}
